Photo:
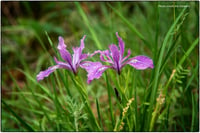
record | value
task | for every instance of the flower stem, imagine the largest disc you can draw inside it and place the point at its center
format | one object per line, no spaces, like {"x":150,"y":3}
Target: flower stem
{"x":156,"y":111}
{"x":154,"y":114}
{"x":120,"y":89}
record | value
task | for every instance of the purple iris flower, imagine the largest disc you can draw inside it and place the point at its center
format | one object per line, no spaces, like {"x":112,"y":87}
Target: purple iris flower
{"x":116,"y":58}
{"x":71,"y":62}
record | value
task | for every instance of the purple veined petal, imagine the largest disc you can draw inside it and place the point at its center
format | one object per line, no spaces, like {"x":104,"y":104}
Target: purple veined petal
{"x":61,"y":44}
{"x":129,"y":53}
{"x":96,"y":73}
{"x":62,"y":64}
{"x":89,"y":65}
{"x":46,"y":73}
{"x":106,"y":54}
{"x":114,"y":52}
{"x":140,"y":62}
{"x":94,"y":70}
{"x":84,"y":56}
{"x":99,"y":52}
{"x":78,"y":53}
{"x":62,"y":50}
{"x":65,"y":65}
{"x":115,"y":56}
{"x":96,"y":52}
{"x":121,"y":45}
{"x":103,"y":54}
{"x":82,"y":45}
{"x":76,"y":58}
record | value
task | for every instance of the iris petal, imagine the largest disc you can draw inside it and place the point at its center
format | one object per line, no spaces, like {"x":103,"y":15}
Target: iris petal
{"x":94,"y":70}
{"x":115,"y":56}
{"x":121,"y":45}
{"x":140,"y":62}
{"x":46,"y":73}
{"x":62,"y":64}
{"x":129,"y":53}
{"x":104,"y":56}
{"x":84,"y":56}
{"x":78,"y":56}
{"x":114,"y":52}
{"x":68,"y":64}
{"x":63,"y":52}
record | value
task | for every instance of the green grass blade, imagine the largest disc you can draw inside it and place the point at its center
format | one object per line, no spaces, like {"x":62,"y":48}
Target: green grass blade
{"x":50,"y":42}
{"x":82,"y":91}
{"x":87,"y":23}
{"x":195,"y":72}
{"x":188,"y":52}
{"x":155,"y":49}
{"x":182,"y":60}
{"x":27,"y":126}
{"x":66,"y":83}
{"x":158,"y":67}
{"x":135,"y":102}
{"x":130,"y":25}
{"x":36,"y":83}
{"x":27,"y":94}
{"x":40,"y":41}
{"x":18,"y":88}
{"x":194,"y":125}
{"x":56,"y":102}
{"x":99,"y":114}
{"x":33,"y":92}
{"x":110,"y":102}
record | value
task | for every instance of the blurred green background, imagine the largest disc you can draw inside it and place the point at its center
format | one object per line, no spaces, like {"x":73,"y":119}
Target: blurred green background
{"x":24,"y":44}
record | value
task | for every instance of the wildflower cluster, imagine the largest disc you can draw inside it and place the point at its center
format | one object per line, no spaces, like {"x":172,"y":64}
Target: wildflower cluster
{"x":114,"y":56}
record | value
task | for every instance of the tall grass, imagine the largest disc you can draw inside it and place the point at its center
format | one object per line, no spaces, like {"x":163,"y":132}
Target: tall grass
{"x":161,"y":99}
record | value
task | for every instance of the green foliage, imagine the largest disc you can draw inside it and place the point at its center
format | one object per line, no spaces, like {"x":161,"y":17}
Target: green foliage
{"x":161,"y":99}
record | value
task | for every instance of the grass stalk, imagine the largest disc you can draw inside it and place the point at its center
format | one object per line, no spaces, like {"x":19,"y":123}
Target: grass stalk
{"x":82,"y":91}
{"x":109,"y":89}
{"x":88,"y":24}
{"x":27,"y":126}
{"x":99,"y":114}
{"x":130,"y":25}
{"x":158,"y":66}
